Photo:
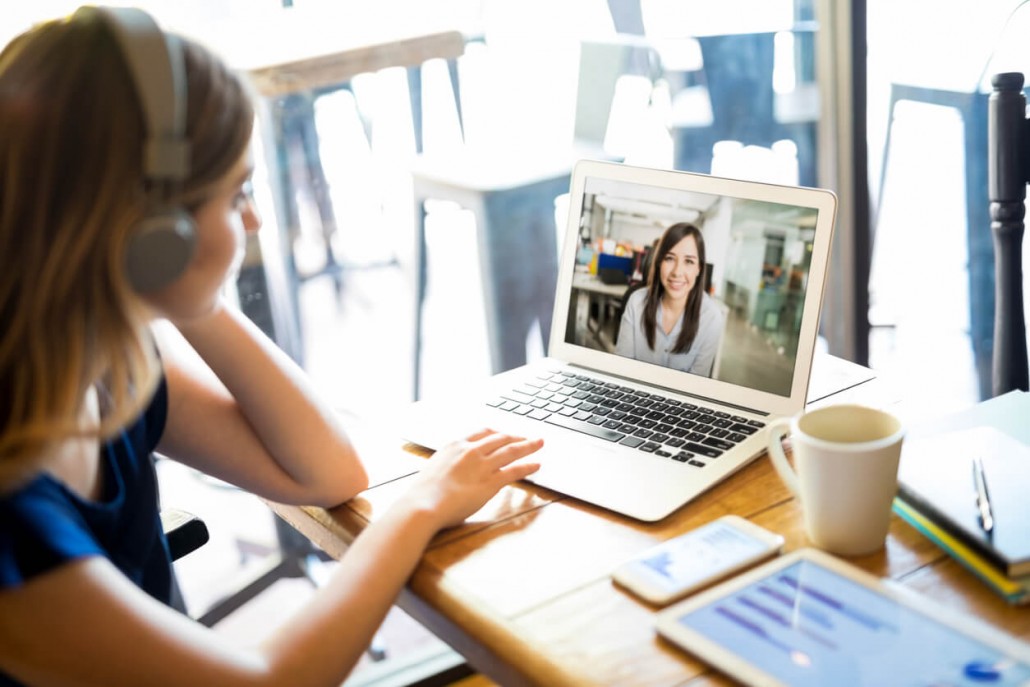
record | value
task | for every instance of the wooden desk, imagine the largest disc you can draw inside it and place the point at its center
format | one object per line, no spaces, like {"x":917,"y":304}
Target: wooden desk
{"x":523,"y":589}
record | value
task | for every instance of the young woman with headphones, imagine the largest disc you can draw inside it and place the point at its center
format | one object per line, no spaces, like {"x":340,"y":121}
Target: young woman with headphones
{"x":124,"y":170}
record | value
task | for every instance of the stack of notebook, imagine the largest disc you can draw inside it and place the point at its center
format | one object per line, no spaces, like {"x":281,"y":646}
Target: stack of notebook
{"x":983,"y":520}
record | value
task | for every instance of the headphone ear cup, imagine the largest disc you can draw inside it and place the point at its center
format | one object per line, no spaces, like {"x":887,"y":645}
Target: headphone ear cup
{"x":160,"y":250}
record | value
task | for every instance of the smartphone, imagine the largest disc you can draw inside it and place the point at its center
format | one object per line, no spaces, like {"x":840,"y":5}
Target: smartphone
{"x":697,"y":559}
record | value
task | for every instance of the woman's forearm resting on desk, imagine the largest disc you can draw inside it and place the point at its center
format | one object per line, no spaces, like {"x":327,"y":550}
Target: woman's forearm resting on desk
{"x":256,"y":422}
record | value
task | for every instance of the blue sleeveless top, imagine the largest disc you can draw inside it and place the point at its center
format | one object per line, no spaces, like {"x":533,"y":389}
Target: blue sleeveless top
{"x":44,"y":525}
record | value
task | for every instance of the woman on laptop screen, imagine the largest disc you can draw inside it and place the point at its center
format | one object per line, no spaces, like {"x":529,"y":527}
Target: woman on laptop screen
{"x":673,"y":322}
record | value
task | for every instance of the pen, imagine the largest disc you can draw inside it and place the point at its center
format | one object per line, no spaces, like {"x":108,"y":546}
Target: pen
{"x":983,"y":498}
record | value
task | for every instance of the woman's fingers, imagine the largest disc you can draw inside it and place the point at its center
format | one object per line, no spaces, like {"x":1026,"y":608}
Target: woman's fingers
{"x":514,"y":473}
{"x":502,"y":449}
{"x":476,"y":436}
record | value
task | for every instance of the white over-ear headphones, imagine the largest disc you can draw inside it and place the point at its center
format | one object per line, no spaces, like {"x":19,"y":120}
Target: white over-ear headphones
{"x":162,"y":245}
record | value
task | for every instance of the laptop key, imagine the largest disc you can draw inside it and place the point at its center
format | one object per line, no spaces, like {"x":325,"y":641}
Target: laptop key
{"x":586,"y":428}
{"x":518,"y":397}
{"x":707,"y":451}
{"x":538,"y":414}
{"x":632,"y":442}
{"x":696,"y":463}
{"x":743,"y":429}
{"x":650,"y":447}
{"x":720,"y":444}
{"x":663,"y":454}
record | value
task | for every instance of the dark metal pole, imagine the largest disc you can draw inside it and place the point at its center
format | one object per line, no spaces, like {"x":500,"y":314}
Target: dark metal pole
{"x":1007,"y":164}
{"x":863,"y":241}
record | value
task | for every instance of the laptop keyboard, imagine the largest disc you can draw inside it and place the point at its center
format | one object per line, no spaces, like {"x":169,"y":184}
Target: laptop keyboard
{"x":685,"y":432}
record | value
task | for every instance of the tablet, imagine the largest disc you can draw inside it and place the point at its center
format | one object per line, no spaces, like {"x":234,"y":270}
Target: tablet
{"x":808,"y":618}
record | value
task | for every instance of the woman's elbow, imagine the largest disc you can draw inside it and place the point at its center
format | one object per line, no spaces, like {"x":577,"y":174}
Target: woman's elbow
{"x":347,"y":478}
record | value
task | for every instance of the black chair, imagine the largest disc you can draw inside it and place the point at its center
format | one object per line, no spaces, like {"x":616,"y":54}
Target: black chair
{"x":1008,"y":173}
{"x":185,"y":532}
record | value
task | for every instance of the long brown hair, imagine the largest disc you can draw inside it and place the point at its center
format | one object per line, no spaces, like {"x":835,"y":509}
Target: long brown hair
{"x":71,"y":190}
{"x":655,"y":290}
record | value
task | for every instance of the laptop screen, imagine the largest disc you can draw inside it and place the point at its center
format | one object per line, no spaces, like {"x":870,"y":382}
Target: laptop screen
{"x":700,"y":283}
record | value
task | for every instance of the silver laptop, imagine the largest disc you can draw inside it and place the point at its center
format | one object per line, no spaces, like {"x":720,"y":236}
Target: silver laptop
{"x":638,"y":427}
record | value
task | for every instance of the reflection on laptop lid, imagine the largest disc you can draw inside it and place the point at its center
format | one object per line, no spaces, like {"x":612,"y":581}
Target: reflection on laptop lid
{"x":658,"y":386}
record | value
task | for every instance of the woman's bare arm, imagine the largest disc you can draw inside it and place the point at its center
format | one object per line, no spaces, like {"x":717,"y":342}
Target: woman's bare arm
{"x":240,"y":409}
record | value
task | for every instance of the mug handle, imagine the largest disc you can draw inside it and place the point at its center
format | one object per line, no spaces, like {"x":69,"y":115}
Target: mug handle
{"x":778,"y":429}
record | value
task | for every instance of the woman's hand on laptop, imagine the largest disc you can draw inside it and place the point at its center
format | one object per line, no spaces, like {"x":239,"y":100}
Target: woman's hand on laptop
{"x":462,"y":476}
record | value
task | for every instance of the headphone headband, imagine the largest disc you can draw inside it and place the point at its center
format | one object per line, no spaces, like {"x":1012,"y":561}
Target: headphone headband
{"x":156,"y":62}
{"x":162,"y":245}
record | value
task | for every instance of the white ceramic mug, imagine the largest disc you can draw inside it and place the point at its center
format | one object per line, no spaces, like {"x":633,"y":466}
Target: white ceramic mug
{"x":845,"y":473}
